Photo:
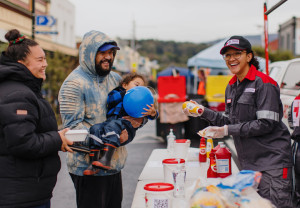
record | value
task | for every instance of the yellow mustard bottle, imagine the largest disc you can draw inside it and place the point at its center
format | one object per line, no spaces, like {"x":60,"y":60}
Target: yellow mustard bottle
{"x":209,"y":146}
{"x":193,"y":108}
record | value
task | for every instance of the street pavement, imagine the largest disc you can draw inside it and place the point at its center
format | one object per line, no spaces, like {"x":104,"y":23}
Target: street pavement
{"x":139,"y":151}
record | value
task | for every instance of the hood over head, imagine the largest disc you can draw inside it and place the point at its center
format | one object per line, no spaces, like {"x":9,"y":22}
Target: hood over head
{"x":89,"y":47}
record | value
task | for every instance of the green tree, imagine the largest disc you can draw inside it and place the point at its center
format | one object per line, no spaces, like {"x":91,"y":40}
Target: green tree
{"x":278,"y":55}
{"x":59,"y":67}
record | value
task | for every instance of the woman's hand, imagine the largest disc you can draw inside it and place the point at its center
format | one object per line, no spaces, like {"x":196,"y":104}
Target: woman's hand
{"x":123,"y":136}
{"x":135,"y":122}
{"x":65,"y":141}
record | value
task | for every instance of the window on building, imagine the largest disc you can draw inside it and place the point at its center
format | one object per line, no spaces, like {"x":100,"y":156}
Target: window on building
{"x":288,"y":42}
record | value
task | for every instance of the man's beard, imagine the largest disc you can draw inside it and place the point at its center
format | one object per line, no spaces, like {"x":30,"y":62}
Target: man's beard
{"x":103,"y":72}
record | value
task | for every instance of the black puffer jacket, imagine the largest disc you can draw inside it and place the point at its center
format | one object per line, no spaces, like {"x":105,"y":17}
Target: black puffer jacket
{"x":29,"y":141}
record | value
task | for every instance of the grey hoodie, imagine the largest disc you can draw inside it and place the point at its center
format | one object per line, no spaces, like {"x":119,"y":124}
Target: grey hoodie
{"x":82,"y":100}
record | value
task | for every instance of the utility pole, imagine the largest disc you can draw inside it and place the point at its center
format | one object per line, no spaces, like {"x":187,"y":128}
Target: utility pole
{"x":266,"y":38}
{"x":133,"y":36}
{"x":266,"y":13}
{"x":33,"y":18}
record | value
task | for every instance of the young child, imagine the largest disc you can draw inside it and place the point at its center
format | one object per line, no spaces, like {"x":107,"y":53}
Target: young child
{"x":115,"y":127}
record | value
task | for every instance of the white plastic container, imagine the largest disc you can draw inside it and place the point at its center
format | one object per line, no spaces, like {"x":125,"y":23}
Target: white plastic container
{"x":170,"y":165}
{"x":181,"y":148}
{"x":77,"y":135}
{"x":158,"y":195}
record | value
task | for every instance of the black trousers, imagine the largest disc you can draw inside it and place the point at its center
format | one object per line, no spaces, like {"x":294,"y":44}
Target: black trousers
{"x":296,"y":155}
{"x":276,"y":185}
{"x":98,"y":191}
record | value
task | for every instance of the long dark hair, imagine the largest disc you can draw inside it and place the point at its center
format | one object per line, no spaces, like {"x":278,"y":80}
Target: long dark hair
{"x":254,"y":60}
{"x":18,"y":48}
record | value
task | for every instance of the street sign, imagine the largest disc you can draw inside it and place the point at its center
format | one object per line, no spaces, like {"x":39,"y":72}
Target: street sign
{"x":47,"y":32}
{"x":45,"y":20}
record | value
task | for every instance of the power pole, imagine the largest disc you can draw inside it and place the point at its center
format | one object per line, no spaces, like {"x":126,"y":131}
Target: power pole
{"x":33,"y":18}
{"x":266,"y":13}
{"x":133,"y":36}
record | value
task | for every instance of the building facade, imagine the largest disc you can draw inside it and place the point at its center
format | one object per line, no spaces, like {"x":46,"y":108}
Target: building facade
{"x":17,"y":14}
{"x":289,"y":36}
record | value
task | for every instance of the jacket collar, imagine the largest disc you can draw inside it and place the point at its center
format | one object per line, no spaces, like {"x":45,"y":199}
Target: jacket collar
{"x":250,"y":75}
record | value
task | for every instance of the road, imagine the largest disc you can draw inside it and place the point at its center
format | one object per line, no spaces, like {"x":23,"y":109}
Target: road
{"x":138,"y":152}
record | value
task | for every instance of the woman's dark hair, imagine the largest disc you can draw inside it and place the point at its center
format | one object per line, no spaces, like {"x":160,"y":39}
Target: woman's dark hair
{"x":254,"y":60}
{"x":131,"y":76}
{"x":18,"y":48}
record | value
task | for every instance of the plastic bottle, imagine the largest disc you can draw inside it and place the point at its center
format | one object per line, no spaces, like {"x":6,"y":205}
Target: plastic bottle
{"x":179,"y":175}
{"x":212,"y":169}
{"x":223,"y":161}
{"x":170,"y":140}
{"x":193,"y":108}
{"x":209,"y":146}
{"x":202,"y":152}
{"x":218,"y":146}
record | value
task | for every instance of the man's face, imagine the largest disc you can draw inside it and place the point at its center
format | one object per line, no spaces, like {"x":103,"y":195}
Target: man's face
{"x":104,"y":61}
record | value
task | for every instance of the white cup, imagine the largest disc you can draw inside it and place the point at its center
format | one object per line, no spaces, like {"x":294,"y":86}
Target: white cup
{"x":181,"y":148}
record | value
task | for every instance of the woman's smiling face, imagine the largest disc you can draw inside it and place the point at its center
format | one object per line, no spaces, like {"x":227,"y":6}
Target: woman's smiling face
{"x":238,"y":61}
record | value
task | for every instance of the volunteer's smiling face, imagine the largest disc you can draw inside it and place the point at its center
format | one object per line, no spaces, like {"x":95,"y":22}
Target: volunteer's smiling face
{"x":104,"y":61}
{"x":237,"y":61}
{"x":36,"y":62}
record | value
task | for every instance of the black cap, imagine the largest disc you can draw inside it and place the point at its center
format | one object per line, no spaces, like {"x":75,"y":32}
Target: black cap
{"x":237,"y":42}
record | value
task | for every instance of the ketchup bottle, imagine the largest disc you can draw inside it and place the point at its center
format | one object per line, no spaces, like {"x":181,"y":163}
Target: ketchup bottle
{"x":202,"y":152}
{"x":212,"y":169}
{"x":218,"y":146}
{"x":223,"y":160}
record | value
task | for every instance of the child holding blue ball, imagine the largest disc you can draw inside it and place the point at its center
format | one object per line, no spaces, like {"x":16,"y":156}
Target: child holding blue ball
{"x":130,"y":98}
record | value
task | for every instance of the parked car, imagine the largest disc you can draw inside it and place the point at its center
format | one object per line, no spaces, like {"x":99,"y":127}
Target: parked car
{"x":287,"y":75}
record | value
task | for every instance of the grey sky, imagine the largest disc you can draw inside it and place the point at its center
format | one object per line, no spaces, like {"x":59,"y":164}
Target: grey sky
{"x":180,"y":20}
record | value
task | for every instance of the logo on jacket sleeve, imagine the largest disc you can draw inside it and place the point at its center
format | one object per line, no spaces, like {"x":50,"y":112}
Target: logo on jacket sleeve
{"x":22,"y":112}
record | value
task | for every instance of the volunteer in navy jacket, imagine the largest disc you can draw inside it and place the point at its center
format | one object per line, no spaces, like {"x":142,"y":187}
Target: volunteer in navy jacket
{"x":253,"y":118}
{"x":29,"y":139}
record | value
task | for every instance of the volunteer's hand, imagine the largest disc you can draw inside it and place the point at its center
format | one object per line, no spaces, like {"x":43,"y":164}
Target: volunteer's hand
{"x":135,"y":122}
{"x":186,"y":111}
{"x":65,"y":141}
{"x":215,"y":131}
{"x":123,"y":136}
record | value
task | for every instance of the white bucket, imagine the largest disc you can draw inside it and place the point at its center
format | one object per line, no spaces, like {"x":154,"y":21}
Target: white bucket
{"x":169,"y":166}
{"x":158,"y":195}
{"x":181,"y":148}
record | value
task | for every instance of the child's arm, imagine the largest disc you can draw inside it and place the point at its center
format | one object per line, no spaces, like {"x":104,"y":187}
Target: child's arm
{"x":151,"y":113}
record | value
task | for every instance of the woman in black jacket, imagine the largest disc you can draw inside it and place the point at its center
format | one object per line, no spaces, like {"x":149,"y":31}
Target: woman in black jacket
{"x":29,"y":137}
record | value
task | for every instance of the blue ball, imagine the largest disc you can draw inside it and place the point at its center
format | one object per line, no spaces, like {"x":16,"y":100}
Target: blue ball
{"x":136,"y":99}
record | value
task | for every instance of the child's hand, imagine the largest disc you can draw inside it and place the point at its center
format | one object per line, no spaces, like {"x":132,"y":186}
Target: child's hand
{"x":150,"y":111}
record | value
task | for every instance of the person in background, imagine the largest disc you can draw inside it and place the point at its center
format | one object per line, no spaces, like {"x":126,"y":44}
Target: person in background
{"x":29,"y":139}
{"x":202,"y":82}
{"x":115,"y":126}
{"x":253,"y":118}
{"x":294,"y":123}
{"x":82,"y":100}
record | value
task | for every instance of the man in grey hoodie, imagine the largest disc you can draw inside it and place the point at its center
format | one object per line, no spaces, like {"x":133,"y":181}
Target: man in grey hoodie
{"x":82,"y":99}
